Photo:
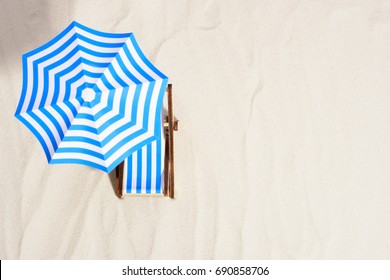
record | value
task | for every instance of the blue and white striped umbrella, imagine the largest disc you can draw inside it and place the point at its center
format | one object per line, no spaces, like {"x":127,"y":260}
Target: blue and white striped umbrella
{"x":90,"y":97}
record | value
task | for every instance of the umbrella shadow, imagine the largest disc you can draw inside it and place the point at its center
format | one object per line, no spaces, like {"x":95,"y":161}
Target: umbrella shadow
{"x":26,"y":26}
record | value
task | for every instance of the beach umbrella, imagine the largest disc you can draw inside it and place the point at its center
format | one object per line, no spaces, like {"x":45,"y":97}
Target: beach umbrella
{"x":91,"y":97}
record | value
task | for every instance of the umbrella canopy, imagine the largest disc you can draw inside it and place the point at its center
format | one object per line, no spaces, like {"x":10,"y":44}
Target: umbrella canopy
{"x":91,"y":97}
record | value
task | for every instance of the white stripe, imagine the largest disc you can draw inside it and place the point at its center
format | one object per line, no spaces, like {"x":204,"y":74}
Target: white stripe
{"x":103,"y":102}
{"x":93,"y":69}
{"x":124,"y":185}
{"x":111,"y":80}
{"x":144,"y":166}
{"x":121,"y":74}
{"x":81,"y":133}
{"x":95,"y":48}
{"x":65,"y":155}
{"x":131,"y":68}
{"x":78,"y":144}
{"x":154,"y":167}
{"x":67,"y":111}
{"x":134,"y":177}
{"x":95,"y":58}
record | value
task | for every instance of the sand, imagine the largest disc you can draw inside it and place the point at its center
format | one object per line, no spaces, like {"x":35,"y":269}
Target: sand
{"x":284,"y":143}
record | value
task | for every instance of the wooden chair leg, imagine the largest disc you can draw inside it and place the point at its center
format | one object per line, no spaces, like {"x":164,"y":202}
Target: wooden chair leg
{"x":171,"y":121}
{"x":166,"y":162}
{"x":119,"y":178}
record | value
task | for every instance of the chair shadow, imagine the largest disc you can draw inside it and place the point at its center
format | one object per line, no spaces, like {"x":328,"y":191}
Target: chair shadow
{"x":113,"y":180}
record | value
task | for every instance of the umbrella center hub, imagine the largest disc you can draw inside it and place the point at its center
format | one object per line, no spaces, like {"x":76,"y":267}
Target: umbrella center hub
{"x":88,"y":94}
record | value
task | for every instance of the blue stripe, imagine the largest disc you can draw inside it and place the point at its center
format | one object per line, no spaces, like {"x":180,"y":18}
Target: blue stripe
{"x":83,"y":127}
{"x":129,"y":174}
{"x":85,"y":116}
{"x":96,"y":53}
{"x":94,"y":63}
{"x":81,"y":139}
{"x":54,"y":121}
{"x":148,"y":168}
{"x":92,"y":75}
{"x":62,"y":113}
{"x":116,"y":76}
{"x":79,"y":92}
{"x":106,"y":83}
{"x":45,"y":128}
{"x":80,"y":151}
{"x":139,"y":170}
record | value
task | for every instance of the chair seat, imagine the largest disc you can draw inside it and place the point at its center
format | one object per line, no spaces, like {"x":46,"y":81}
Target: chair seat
{"x":144,"y":169}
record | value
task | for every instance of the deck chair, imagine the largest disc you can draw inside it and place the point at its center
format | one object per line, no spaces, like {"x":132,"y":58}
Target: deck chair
{"x":150,"y":170}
